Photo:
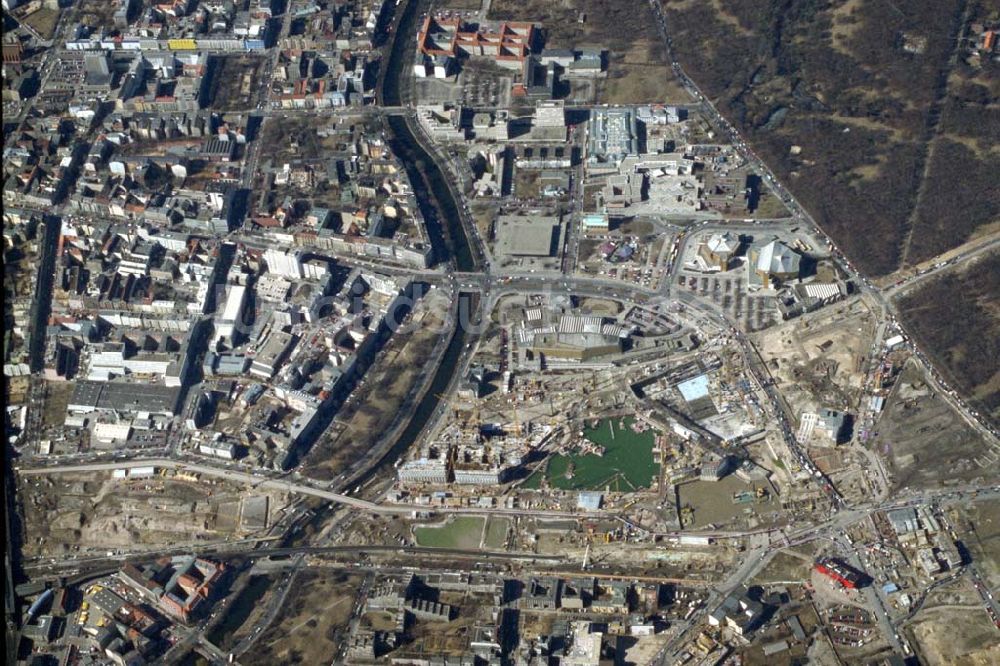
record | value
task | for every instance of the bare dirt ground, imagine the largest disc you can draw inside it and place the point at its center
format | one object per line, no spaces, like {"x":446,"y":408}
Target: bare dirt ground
{"x":978,"y":524}
{"x":464,"y":5}
{"x":308,"y":629}
{"x":68,"y":513}
{"x":955,"y":633}
{"x":814,"y":358}
{"x":449,"y":638}
{"x":387,"y":384}
{"x":57,"y":399}
{"x":790,"y":565}
{"x":640,"y":75}
{"x":237,"y":80}
{"x":925,"y":441}
{"x":637,"y":68}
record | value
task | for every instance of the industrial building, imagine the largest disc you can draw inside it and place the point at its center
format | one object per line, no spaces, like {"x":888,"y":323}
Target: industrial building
{"x":423,"y":470}
{"x":715,"y":470}
{"x":589,"y":500}
{"x":178,"y":586}
{"x":270,"y":357}
{"x":569,"y":337}
{"x":827,"y":424}
{"x":108,"y":433}
{"x":582,"y":346}
{"x":720,"y":250}
{"x":542,"y":594}
{"x":124,"y":398}
{"x":904,"y":521}
{"x":476,"y":464}
{"x":738,"y":612}
{"x":224,"y":364}
{"x":585,"y":649}
{"x":551,"y":113}
{"x":118,"y":359}
{"x":232,"y":313}
{"x":509,"y":46}
{"x":572,"y":346}
{"x":595,"y":223}
{"x":622,"y":190}
{"x":472,"y":386}
{"x":224,"y":450}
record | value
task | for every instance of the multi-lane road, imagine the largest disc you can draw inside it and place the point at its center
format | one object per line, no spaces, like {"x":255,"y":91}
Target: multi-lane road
{"x":492,"y":285}
{"x":802,"y":217}
{"x":301,"y":485}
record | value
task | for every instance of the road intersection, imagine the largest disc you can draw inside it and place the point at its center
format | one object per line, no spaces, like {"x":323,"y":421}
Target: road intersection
{"x":491,"y":284}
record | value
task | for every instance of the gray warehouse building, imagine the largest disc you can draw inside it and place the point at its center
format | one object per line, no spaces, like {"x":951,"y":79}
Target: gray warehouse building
{"x":123,"y":397}
{"x":527,"y":236}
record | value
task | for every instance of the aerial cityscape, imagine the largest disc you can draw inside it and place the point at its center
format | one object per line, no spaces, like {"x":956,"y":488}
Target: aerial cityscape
{"x":501,"y":332}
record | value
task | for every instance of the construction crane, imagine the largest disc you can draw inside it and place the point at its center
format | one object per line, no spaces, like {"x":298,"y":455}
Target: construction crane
{"x":517,"y":420}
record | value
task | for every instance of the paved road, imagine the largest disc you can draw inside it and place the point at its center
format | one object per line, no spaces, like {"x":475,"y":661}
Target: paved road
{"x":940,"y":267}
{"x":289,"y":486}
{"x":799,"y":214}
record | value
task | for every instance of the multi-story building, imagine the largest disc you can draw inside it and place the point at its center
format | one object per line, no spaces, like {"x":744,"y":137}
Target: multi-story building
{"x":424,"y":470}
{"x":840,"y":573}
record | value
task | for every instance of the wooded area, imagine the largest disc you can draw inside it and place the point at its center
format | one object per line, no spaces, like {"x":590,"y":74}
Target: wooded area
{"x":862,"y":88}
{"x":954,"y":318}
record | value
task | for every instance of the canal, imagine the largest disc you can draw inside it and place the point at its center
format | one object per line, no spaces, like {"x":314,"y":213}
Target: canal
{"x":441,"y":213}
{"x":425,"y":409}
{"x":444,"y":226}
{"x":433,"y":189}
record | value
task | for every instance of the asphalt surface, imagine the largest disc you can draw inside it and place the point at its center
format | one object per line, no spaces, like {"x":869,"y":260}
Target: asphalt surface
{"x":496,"y":284}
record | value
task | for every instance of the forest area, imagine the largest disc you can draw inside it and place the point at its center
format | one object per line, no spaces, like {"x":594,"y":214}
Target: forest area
{"x":872,"y":112}
{"x":955,"y":318}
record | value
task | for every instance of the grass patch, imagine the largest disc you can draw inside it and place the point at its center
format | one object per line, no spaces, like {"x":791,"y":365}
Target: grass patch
{"x":312,"y":622}
{"x":533,"y":482}
{"x":496,"y":533}
{"x":462,"y":532}
{"x":44,"y":22}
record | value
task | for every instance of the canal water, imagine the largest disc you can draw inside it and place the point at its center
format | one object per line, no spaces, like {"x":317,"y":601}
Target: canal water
{"x":440,"y":211}
{"x":437,"y":204}
{"x":444,"y":226}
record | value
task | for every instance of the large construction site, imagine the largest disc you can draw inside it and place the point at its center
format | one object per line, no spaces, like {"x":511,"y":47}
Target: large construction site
{"x":470,"y":332}
{"x":141,"y":508}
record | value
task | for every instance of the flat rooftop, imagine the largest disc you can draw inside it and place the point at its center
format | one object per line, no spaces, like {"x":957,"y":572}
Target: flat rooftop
{"x":89,"y":396}
{"x":694,"y":388}
{"x":532,"y":236}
